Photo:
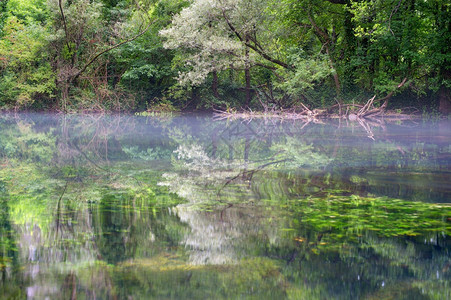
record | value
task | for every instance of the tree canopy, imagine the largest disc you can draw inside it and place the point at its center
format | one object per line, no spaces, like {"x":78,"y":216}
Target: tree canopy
{"x":121,"y":54}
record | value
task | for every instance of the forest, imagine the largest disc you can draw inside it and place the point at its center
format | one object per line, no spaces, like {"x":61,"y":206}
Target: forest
{"x":228,"y":55}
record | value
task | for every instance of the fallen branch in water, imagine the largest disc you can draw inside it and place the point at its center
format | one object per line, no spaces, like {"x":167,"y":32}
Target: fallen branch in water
{"x":249,"y":115}
{"x":315,"y":115}
{"x":354,"y":112}
{"x":369,"y":111}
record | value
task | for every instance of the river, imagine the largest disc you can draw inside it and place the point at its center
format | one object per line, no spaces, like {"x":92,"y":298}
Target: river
{"x":192,"y":207}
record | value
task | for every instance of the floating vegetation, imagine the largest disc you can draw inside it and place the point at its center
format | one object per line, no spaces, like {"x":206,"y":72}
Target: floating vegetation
{"x":344,"y":217}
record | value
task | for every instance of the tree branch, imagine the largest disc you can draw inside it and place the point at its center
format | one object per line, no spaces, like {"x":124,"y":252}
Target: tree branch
{"x":389,"y":95}
{"x":109,"y":49}
{"x":60,"y":4}
{"x":319,"y":32}
{"x":338,"y":1}
{"x":255,"y":48}
{"x":391,"y":15}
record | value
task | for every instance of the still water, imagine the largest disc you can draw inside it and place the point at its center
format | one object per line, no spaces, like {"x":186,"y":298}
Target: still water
{"x":189,"y":207}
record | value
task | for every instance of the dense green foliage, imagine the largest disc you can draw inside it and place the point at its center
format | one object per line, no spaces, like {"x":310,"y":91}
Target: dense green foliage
{"x":161,"y":54}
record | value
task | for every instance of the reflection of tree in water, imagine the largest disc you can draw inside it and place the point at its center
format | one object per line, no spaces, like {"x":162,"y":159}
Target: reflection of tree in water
{"x":229,"y":234}
{"x":224,"y":234}
{"x":65,"y":240}
{"x":11,"y":278}
{"x":58,"y":165}
{"x":70,"y":256}
{"x":374,"y":268}
{"x":91,"y":141}
{"x":402,"y":160}
{"x":116,"y":229}
{"x":358,"y":264}
{"x":238,"y":179}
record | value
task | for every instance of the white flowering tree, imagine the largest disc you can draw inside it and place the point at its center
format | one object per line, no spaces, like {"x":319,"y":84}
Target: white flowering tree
{"x":221,"y":34}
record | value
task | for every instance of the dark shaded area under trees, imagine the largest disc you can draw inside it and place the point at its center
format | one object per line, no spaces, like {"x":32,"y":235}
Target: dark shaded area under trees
{"x":261,"y":54}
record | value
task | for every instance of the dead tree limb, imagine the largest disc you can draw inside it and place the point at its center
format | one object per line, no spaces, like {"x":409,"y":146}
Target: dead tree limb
{"x":368,"y":110}
{"x":389,"y":95}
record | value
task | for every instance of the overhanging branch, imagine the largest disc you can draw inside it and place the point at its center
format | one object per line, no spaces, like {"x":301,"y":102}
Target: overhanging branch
{"x":109,"y":49}
{"x":255,"y":48}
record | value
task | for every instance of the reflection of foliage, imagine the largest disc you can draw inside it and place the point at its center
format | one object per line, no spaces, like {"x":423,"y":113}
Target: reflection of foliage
{"x":95,"y":217}
{"x":379,"y":246}
{"x":27,"y":144}
{"x":195,"y":158}
{"x":225,"y":234}
{"x":126,"y":224}
{"x":226,"y":238}
{"x":7,"y":243}
{"x":201,"y":175}
{"x":300,"y":154}
{"x":31,"y":193}
{"x":249,"y":278}
{"x":149,"y":154}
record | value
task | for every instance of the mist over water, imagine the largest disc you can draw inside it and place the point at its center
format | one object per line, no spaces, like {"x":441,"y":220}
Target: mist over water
{"x":120,"y":206}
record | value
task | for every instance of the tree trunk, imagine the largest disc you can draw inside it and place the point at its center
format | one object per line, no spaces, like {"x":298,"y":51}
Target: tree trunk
{"x":214,"y":84}
{"x":325,"y":39}
{"x":194,"y":97}
{"x":444,"y":25}
{"x":247,"y":75}
{"x":444,"y":100}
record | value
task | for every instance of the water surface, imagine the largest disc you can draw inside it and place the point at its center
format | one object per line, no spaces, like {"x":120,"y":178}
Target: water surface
{"x":133,"y":207}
